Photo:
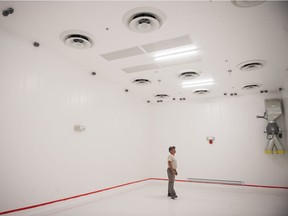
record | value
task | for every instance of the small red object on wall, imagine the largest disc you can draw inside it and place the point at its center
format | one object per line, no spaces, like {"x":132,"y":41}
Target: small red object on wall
{"x":210,"y":139}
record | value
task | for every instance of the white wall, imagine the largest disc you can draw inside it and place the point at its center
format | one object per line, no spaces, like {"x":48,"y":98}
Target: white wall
{"x":238,"y":150}
{"x":42,"y":158}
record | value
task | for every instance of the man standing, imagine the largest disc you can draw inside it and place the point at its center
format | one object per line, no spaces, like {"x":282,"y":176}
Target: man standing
{"x":171,"y":171}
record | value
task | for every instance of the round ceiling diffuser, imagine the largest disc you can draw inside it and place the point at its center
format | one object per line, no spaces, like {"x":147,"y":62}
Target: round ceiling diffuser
{"x":161,"y":96}
{"x":144,"y":20}
{"x":246,"y":3}
{"x":141,"y":82}
{"x":251,"y":86}
{"x":188,"y":75}
{"x":78,"y":41}
{"x":251,"y":65}
{"x":201,"y":91}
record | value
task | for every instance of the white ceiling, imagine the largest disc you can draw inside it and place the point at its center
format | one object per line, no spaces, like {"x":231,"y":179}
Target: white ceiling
{"x":223,"y":34}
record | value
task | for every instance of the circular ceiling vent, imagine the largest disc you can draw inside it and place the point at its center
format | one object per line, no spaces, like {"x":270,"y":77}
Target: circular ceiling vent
{"x":251,"y":86}
{"x":144,"y":20}
{"x":201,"y":91}
{"x":161,"y":96}
{"x":141,"y":82}
{"x":246,"y":3}
{"x":251,"y":65}
{"x":188,"y":75}
{"x":77,"y":39}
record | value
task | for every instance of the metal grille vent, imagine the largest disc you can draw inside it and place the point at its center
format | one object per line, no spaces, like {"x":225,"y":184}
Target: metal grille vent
{"x":251,"y":65}
{"x":141,"y":82}
{"x":188,"y":75}
{"x":161,"y":96}
{"x":201,"y":92}
{"x":251,"y":86}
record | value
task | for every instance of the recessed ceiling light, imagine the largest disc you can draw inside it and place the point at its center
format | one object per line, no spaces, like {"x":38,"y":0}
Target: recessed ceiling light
{"x":175,"y":55}
{"x":174,"y":50}
{"x":200,"y":83}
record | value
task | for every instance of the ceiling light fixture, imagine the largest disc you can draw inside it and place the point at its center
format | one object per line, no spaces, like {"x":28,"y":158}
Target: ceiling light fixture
{"x":175,"y":55}
{"x":174,"y":50}
{"x":203,"y":83}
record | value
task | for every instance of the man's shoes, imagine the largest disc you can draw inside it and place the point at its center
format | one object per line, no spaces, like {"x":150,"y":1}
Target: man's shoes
{"x":172,"y":197}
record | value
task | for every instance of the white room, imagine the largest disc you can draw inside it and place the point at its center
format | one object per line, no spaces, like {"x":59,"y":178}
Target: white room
{"x":89,"y":107}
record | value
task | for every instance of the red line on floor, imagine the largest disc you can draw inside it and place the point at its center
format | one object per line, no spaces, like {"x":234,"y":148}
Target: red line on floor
{"x":243,"y":185}
{"x":129,"y":183}
{"x":69,"y":198}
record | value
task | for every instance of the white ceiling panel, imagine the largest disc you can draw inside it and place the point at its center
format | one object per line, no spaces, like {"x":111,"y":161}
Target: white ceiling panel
{"x":139,"y":68}
{"x":223,"y":33}
{"x":122,"y":53}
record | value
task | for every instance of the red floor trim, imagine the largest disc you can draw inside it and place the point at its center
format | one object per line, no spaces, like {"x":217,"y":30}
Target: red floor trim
{"x":69,"y":198}
{"x":244,"y":185}
{"x":129,"y":183}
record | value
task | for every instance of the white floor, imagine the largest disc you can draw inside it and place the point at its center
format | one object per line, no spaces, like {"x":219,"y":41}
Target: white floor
{"x":150,"y":199}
